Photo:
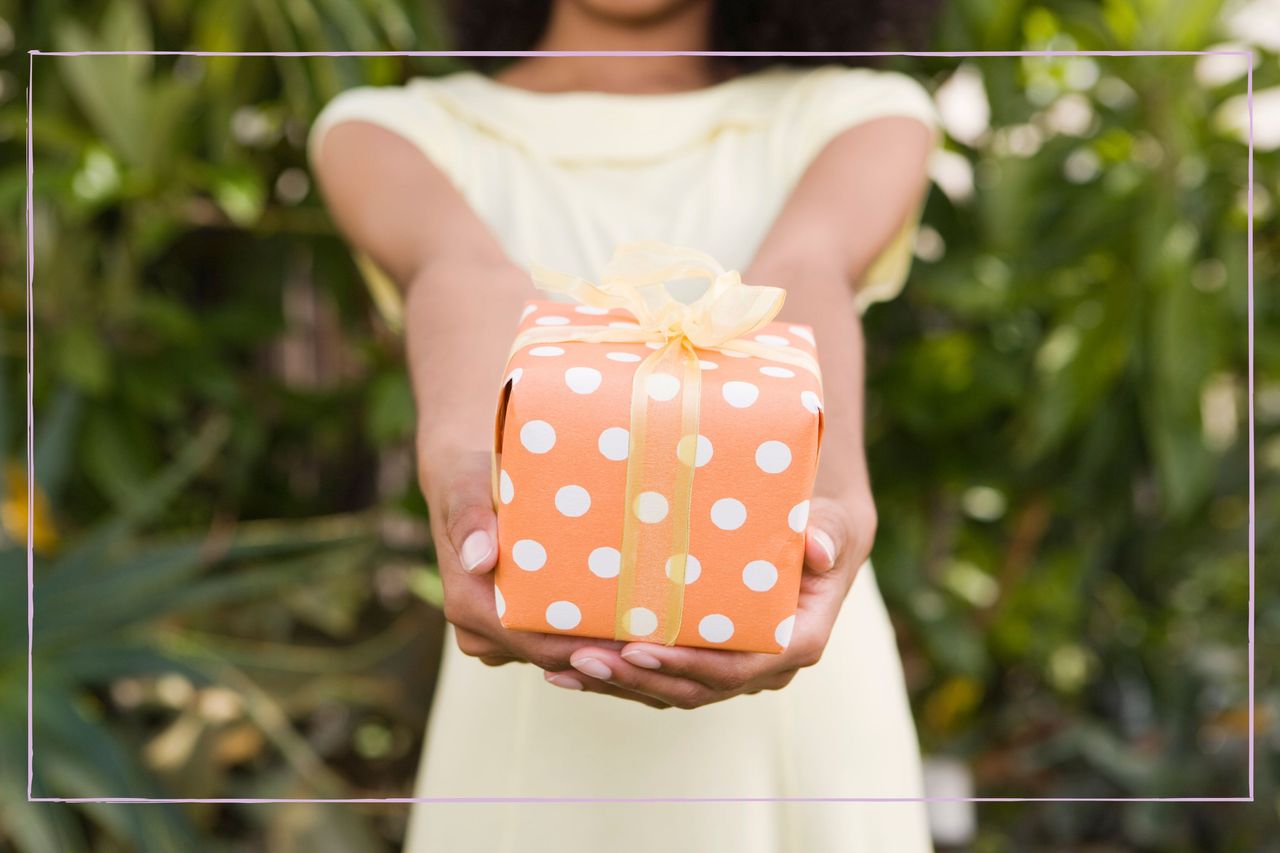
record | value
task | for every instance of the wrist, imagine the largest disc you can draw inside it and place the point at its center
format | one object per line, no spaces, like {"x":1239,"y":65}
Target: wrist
{"x":444,"y":457}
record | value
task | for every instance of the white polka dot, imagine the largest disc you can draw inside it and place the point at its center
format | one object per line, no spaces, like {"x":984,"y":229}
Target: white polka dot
{"x":506,"y":488}
{"x":622,"y":324}
{"x":777,"y":372}
{"x":740,"y":395}
{"x":546,"y":352}
{"x":528,"y":309}
{"x":773,"y":340}
{"x":811,"y":401}
{"x":622,"y":356}
{"x":655,"y":345}
{"x":773,"y":457}
{"x":573,"y":501}
{"x":499,"y":602}
{"x":703,"y":454}
{"x":615,"y":444}
{"x":641,"y":621}
{"x":783,"y":632}
{"x":692,"y":569}
{"x":734,"y":354}
{"x":802,"y":332}
{"x":715,"y":628}
{"x":529,"y":555}
{"x":798,"y":517}
{"x":591,"y":309}
{"x":514,"y":376}
{"x":662,"y":386}
{"x":707,"y":365}
{"x":728,"y":514}
{"x":760,"y":575}
{"x":604,"y":562}
{"x":551,"y":320}
{"x":582,"y":380}
{"x":650,"y":507}
{"x":537,"y":436}
{"x":563,"y":615}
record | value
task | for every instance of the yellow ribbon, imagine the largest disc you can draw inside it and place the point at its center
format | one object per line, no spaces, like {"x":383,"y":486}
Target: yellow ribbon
{"x":658,"y":496}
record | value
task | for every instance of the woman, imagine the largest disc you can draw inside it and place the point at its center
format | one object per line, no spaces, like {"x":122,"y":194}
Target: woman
{"x":808,"y":178}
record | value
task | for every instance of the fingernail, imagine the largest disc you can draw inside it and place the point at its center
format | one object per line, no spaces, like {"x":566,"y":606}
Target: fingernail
{"x":824,"y":542}
{"x":568,"y":682}
{"x":474,"y":550}
{"x":593,"y":668}
{"x":642,"y":659}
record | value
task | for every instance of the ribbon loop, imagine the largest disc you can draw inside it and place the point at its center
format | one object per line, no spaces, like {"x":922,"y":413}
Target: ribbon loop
{"x":636,"y":279}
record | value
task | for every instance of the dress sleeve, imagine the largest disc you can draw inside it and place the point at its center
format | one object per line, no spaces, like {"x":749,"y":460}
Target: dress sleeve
{"x":842,"y":98}
{"x":409,"y":112}
{"x":413,"y":114}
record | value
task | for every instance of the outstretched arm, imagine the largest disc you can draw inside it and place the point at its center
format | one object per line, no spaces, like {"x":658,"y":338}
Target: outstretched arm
{"x":850,"y":203}
{"x":463,"y":298}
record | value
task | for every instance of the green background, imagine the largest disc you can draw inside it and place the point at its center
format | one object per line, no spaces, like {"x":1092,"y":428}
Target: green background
{"x":235,"y":587}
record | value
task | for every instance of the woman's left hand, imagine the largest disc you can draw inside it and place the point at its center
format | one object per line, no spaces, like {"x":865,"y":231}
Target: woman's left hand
{"x":837,"y":543}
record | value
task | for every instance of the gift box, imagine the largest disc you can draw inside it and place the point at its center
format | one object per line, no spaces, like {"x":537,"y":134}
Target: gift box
{"x":654,"y":460}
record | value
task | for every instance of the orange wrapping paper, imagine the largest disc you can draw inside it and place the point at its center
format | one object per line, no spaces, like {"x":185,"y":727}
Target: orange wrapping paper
{"x":562,"y":441}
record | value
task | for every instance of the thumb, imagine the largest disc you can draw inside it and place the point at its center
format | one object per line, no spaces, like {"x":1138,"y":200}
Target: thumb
{"x":828,"y":535}
{"x":470,"y":521}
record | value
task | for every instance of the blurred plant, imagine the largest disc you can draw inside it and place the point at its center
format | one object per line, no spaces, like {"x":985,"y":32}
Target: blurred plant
{"x":1059,"y":415}
{"x":104,"y":602}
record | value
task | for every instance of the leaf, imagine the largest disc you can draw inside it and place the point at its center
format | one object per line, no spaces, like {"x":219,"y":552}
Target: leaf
{"x":54,"y":442}
{"x":108,"y":89}
{"x":76,"y":757}
{"x":82,"y":359}
{"x":390,"y":415}
{"x":146,"y":500}
{"x":240,"y":194}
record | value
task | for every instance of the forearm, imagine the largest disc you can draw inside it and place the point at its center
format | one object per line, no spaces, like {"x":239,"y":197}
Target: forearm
{"x":818,"y":295}
{"x":462,"y":294}
{"x":461,"y":313}
{"x":849,"y":203}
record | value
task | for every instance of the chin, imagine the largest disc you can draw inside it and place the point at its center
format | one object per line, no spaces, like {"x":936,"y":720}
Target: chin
{"x":634,"y":11}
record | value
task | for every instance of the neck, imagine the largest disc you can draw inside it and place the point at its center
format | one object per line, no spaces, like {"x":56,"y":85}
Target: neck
{"x":573,"y":27}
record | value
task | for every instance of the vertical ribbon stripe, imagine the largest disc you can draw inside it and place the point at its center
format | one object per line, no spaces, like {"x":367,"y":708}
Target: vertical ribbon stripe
{"x":665,"y":398}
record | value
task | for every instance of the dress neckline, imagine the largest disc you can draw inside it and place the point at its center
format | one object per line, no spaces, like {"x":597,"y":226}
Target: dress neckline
{"x":612,"y":128}
{"x":702,"y":92}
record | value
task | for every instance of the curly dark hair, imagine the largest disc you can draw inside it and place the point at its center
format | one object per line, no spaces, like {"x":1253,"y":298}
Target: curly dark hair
{"x":738,"y":25}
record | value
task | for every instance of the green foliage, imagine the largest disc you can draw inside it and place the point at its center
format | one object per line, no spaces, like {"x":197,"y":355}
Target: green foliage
{"x":231,"y":594}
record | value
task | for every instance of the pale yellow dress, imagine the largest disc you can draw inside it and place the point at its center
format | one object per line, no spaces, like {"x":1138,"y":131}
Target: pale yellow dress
{"x":562,"y":179}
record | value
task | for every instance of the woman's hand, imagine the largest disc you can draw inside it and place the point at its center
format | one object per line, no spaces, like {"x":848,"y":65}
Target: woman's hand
{"x":838,"y":542}
{"x":464,"y":527}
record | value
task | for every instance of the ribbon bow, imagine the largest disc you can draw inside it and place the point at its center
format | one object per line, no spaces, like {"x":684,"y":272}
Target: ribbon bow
{"x":636,"y":278}
{"x":664,"y":413}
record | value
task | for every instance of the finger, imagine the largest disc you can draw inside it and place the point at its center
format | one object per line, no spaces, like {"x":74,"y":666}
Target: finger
{"x":549,"y":651}
{"x":818,"y":607}
{"x":470,"y":522}
{"x":573,"y":680}
{"x":827,"y":536}
{"x":715,"y":669}
{"x":606,"y":666}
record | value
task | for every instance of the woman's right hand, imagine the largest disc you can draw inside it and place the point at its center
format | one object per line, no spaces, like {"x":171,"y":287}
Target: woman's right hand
{"x":465,"y":530}
{"x":464,"y":527}
{"x":463,"y":298}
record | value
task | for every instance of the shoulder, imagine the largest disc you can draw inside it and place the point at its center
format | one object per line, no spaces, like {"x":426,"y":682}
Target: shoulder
{"x":817,"y":105}
{"x":830,"y":98}
{"x":414,"y":112}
